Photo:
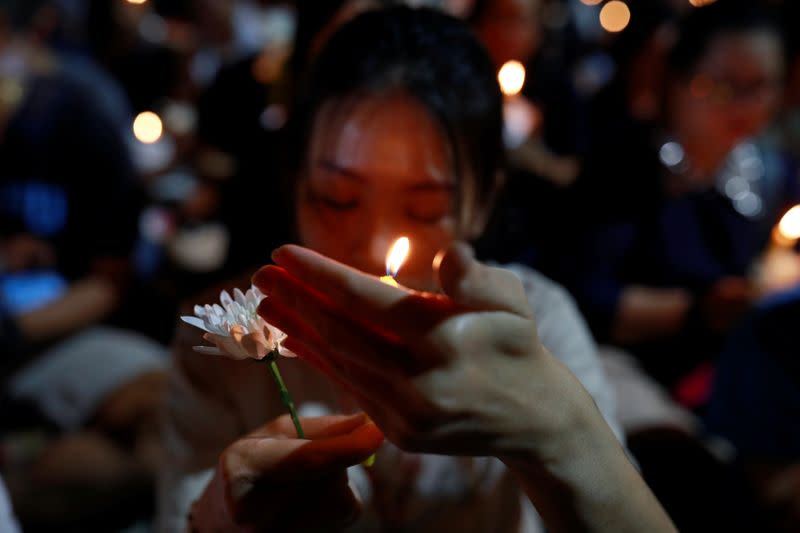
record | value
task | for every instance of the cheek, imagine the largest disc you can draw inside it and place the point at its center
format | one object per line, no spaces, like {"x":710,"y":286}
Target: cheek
{"x":321,"y":231}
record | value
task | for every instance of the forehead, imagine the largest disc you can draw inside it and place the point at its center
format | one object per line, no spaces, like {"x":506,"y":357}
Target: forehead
{"x":387,"y":136}
{"x":756,"y":53}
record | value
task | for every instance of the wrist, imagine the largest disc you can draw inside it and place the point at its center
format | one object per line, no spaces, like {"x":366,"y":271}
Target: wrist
{"x":554,"y":422}
{"x":579,"y":476}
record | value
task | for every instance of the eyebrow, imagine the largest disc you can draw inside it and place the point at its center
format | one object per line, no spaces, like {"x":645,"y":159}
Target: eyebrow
{"x":422,"y":186}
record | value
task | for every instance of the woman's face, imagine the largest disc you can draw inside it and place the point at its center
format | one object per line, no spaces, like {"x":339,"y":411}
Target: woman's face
{"x":377,"y":169}
{"x":732,"y":95}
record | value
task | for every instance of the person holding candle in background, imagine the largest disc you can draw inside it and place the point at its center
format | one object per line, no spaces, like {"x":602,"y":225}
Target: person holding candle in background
{"x":544,"y":129}
{"x":674,"y":206}
{"x":676,"y":203}
{"x":399,"y":134}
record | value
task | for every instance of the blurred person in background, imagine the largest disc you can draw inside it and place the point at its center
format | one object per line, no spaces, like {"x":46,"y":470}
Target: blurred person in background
{"x":545,"y":128}
{"x":670,"y":214}
{"x":68,"y":206}
{"x":755,"y":401}
{"x":666,"y":263}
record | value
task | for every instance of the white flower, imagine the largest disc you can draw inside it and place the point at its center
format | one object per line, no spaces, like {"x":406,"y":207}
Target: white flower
{"x":235,"y":327}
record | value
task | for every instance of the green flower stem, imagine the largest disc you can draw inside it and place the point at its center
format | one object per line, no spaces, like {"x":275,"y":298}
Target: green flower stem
{"x":271,"y":359}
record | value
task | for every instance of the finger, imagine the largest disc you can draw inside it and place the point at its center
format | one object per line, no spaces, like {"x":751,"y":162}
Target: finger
{"x":346,"y":342}
{"x":403,"y":315}
{"x":277,"y":458}
{"x":364,"y":297}
{"x":314,"y":427}
{"x":473,"y":284}
{"x":341,"y":283}
{"x":322,"y":457}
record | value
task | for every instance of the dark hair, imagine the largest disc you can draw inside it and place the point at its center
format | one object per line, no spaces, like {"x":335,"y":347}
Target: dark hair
{"x":699,"y":28}
{"x":479,"y":10}
{"x":428,"y":55}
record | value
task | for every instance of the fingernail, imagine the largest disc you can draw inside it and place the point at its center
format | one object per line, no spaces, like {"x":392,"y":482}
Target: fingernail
{"x":276,"y":254}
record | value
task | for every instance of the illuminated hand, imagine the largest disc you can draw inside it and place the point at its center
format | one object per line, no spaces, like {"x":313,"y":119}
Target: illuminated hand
{"x":458,"y":373}
{"x":271,"y":481}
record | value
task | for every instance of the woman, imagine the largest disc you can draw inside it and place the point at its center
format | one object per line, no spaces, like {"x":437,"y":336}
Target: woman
{"x":399,"y":134}
{"x":668,"y":238}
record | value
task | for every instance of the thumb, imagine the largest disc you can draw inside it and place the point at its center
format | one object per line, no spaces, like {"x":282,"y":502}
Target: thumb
{"x":471,"y":283}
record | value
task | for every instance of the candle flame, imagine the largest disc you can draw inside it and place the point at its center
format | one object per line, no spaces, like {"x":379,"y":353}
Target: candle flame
{"x":397,"y":256}
{"x":789,"y":226}
{"x":511,"y":77}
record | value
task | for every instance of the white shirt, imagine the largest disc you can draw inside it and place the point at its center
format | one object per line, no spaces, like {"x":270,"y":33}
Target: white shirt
{"x":8,"y":524}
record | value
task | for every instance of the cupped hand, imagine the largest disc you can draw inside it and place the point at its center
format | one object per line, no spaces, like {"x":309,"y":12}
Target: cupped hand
{"x":462,"y":372}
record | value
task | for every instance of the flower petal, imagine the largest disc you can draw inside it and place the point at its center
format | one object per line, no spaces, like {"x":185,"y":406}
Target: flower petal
{"x":225,"y":299}
{"x":255,"y":349}
{"x":228,"y":346}
{"x":196,"y":322}
{"x":208,"y":350}
{"x":238,"y":295}
{"x":286,"y":352}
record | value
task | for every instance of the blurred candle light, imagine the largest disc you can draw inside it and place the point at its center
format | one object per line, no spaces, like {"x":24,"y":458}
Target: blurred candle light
{"x":701,"y":3}
{"x":394,"y":260}
{"x":138,"y":2}
{"x":787,"y":232}
{"x":147,"y":127}
{"x":779,"y":266}
{"x":519,"y":117}
{"x":591,"y":2}
{"x":511,"y":77}
{"x":615,"y":16}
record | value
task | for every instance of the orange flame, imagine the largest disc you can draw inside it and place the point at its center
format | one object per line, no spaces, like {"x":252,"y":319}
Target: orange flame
{"x":789,"y":226}
{"x":511,"y":77}
{"x":397,"y":256}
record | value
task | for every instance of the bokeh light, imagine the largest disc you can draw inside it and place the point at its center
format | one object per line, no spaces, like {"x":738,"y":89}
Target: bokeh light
{"x":591,"y":2}
{"x":511,"y":77}
{"x":136,"y":1}
{"x":701,"y":3}
{"x":147,"y":127}
{"x":615,"y":16}
{"x":789,"y":226}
